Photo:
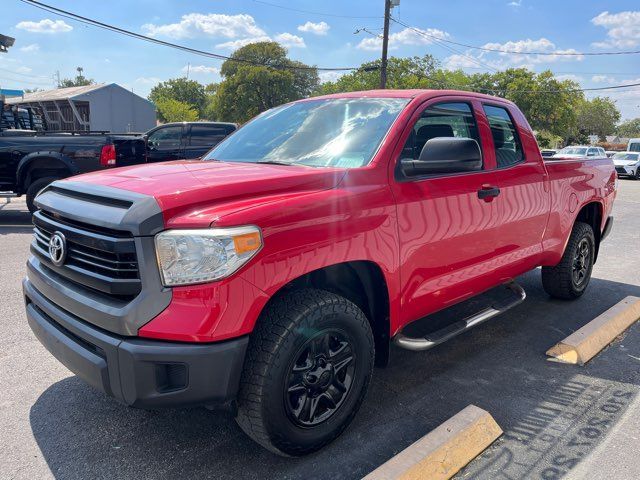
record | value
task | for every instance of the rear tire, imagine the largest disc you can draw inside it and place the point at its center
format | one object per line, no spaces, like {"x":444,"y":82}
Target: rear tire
{"x":307,"y":369}
{"x":569,"y":279}
{"x":35,"y":188}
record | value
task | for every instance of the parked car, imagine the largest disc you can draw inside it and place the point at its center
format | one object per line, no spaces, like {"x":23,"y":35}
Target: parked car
{"x":627,"y":164}
{"x":581,"y":151}
{"x":273,"y":274}
{"x":633,"y":145}
{"x":186,"y":140}
{"x":548,"y":152}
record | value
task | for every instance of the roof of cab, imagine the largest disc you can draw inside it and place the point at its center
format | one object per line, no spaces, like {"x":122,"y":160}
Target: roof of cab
{"x":413,"y":93}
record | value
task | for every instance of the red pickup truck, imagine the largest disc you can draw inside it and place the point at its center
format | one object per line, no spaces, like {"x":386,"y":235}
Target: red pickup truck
{"x":274,"y":274}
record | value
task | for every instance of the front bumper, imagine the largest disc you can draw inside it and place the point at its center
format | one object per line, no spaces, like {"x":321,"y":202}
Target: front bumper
{"x":139,"y":372}
{"x":626,"y":170}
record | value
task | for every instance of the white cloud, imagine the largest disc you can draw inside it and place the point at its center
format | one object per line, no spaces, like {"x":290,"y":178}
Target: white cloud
{"x":210,"y":24}
{"x":516,"y":3}
{"x":23,"y":70}
{"x":235,"y":44}
{"x":290,"y":40}
{"x":523,"y":56}
{"x":570,"y":76}
{"x":407,"y":36}
{"x":602,"y":79}
{"x":147,"y":80}
{"x":320,"y":28}
{"x":45,"y":26}
{"x":623,"y":29}
{"x":34,"y":47}
{"x":201,"y":69}
{"x":455,"y":62}
{"x":330,"y":76}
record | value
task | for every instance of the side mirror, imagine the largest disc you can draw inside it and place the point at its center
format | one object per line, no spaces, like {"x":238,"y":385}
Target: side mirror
{"x":445,"y":155}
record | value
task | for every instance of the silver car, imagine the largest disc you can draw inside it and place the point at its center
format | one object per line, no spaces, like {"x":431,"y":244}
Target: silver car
{"x":627,"y":164}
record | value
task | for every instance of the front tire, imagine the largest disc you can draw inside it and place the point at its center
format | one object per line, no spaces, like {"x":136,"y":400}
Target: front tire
{"x":308,"y":366}
{"x":569,"y":279}
{"x":35,"y":188}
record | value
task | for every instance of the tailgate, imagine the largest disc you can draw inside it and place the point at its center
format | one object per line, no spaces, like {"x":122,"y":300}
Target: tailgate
{"x":130,"y":150}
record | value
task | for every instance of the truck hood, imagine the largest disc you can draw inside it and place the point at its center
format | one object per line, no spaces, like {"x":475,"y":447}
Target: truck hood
{"x":185,"y":187}
{"x":624,"y":163}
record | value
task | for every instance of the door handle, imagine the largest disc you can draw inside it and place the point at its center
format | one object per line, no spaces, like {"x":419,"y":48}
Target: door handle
{"x":488,"y":193}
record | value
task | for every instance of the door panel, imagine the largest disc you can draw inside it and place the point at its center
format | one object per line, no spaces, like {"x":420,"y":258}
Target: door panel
{"x":446,"y":232}
{"x":522,"y":209}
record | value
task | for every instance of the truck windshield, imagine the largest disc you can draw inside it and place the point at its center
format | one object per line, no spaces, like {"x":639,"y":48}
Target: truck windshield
{"x":342,"y":133}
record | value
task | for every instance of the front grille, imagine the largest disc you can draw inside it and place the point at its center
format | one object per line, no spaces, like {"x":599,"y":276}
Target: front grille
{"x":620,"y":170}
{"x":98,"y":258}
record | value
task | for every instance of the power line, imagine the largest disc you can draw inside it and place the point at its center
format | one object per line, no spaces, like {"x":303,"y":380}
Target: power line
{"x":322,"y":14}
{"x":28,"y":82}
{"x":515,"y":52}
{"x":24,"y":74}
{"x":79,"y":18}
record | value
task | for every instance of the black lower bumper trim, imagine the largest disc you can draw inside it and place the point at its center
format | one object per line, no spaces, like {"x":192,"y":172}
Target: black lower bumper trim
{"x":141,"y":373}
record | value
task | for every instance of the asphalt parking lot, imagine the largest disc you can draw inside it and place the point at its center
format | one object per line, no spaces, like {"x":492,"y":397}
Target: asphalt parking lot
{"x":559,"y":420}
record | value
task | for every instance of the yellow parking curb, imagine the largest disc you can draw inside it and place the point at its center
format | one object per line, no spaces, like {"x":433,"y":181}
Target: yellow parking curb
{"x":585,"y":343}
{"x":444,"y":451}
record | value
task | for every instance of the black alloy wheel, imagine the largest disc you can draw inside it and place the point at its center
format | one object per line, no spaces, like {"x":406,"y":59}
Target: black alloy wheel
{"x":320,"y":378}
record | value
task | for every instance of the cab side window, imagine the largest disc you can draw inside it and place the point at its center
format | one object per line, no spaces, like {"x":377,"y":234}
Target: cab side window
{"x":441,"y":120}
{"x":168,"y":137}
{"x":505,"y":136}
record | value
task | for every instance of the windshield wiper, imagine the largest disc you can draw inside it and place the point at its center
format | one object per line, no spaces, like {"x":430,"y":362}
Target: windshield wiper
{"x":275,"y":162}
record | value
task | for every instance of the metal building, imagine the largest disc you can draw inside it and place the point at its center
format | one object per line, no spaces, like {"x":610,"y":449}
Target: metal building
{"x":100,"y":107}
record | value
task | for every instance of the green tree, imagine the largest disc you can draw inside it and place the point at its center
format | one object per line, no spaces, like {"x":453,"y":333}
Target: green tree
{"x":172,"y":110}
{"x":598,"y":116}
{"x":79,"y":81}
{"x":630,"y":128}
{"x":248,"y":89}
{"x":548,"y":103}
{"x":403,"y":73}
{"x":189,"y":92}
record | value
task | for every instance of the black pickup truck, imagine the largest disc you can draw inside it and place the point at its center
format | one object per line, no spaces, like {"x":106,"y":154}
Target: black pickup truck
{"x":31,"y":158}
{"x":29,"y":161}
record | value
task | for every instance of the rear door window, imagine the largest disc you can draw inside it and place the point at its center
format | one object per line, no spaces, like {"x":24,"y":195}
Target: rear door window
{"x":506,"y":140}
{"x":207,"y":135}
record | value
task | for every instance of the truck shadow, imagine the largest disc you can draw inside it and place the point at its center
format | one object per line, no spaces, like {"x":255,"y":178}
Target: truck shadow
{"x":14,"y":216}
{"x":500,"y":366}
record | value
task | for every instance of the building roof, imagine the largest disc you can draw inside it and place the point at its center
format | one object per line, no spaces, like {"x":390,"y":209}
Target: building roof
{"x":57,"y":94}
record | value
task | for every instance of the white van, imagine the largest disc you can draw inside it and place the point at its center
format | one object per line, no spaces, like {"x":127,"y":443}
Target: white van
{"x":633,"y":145}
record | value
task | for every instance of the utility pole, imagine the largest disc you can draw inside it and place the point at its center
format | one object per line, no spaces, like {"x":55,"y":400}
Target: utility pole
{"x":385,"y":44}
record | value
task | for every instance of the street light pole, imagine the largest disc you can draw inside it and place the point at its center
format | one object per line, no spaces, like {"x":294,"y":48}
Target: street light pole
{"x":385,"y":44}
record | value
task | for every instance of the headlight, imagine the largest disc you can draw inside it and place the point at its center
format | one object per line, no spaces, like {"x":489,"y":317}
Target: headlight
{"x":197,"y":256}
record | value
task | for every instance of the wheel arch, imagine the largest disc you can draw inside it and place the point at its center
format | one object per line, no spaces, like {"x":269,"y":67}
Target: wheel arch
{"x":43,"y":164}
{"x":592,"y":214}
{"x":363,"y":283}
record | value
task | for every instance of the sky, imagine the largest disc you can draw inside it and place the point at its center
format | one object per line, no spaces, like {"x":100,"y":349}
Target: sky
{"x":322,"y":33}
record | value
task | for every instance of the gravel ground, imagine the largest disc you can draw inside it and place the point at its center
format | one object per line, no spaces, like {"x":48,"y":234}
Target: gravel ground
{"x":559,"y":420}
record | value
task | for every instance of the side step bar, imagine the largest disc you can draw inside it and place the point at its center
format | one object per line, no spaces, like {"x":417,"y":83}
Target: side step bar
{"x":450,"y":331}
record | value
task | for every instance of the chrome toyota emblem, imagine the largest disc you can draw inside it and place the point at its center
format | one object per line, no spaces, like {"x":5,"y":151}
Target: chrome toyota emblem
{"x":57,"y":248}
